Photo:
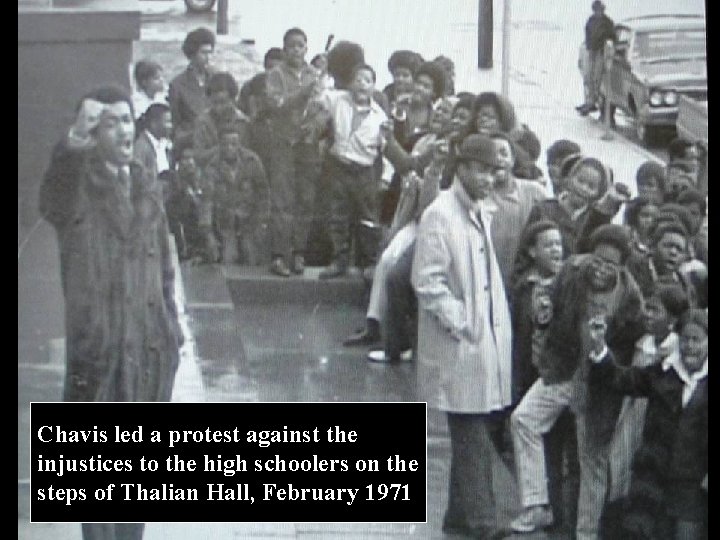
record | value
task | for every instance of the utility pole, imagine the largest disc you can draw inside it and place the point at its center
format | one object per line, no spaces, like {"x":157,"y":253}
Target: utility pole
{"x":608,"y":52}
{"x":222,"y":18}
{"x":506,"y":48}
{"x":485,"y":34}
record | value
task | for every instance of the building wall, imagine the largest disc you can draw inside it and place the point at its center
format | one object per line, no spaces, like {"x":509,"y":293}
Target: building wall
{"x":61,"y":55}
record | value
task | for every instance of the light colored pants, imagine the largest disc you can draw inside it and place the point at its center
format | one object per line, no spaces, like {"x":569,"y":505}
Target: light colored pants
{"x":534,"y":417}
{"x":592,"y":76}
{"x":377,"y":306}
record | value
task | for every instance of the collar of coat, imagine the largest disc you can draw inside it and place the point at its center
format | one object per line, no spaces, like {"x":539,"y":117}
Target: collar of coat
{"x":486,"y":207}
{"x":127,"y":216}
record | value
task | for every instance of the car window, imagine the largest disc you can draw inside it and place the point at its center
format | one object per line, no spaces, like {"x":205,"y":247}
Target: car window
{"x":669,"y":44}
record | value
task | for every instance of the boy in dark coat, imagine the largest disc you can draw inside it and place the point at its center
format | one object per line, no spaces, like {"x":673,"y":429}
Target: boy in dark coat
{"x":668,"y":250}
{"x":186,"y":94}
{"x":222,"y":114}
{"x":294,"y":169}
{"x":668,"y":492}
{"x":183,"y":205}
{"x":236,"y":201}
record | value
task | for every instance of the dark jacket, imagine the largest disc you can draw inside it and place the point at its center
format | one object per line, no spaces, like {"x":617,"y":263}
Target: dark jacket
{"x":641,"y":267}
{"x":574,"y":233}
{"x":206,"y":135}
{"x":672,"y":460}
{"x":525,"y":321}
{"x":121,"y":321}
{"x":563,"y":351}
{"x":187,"y":100}
{"x":598,"y":29}
{"x":236,"y":193}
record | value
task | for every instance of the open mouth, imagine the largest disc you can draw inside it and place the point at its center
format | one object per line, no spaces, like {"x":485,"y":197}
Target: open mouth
{"x":126,"y":147}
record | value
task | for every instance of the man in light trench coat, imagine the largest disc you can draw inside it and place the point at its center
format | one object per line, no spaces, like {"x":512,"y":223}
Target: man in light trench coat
{"x":121,"y":323}
{"x":464,"y":344}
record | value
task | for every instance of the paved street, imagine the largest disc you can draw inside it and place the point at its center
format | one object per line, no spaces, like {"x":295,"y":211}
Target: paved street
{"x":255,"y":338}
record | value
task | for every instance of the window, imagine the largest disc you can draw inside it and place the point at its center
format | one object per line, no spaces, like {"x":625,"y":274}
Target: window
{"x":669,"y":44}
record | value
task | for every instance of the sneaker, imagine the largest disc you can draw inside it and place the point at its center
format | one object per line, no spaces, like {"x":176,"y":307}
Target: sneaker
{"x":380,"y":357}
{"x":279,"y":268}
{"x":532,"y":518}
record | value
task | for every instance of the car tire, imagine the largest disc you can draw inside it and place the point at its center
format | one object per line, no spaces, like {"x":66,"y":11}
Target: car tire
{"x":199,"y":6}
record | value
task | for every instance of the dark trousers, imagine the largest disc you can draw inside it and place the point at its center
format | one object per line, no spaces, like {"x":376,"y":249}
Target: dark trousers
{"x":400,"y":322}
{"x":293,"y":173}
{"x":352,"y":198}
{"x":113,"y":531}
{"x":563,"y":483}
{"x":471,"y":499}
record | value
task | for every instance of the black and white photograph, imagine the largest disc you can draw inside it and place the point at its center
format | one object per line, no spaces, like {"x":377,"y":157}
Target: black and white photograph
{"x":495,"y":208}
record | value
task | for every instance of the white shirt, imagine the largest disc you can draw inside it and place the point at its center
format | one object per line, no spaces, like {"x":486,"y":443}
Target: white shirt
{"x":161,"y":147}
{"x":363,"y":144}
{"x":689,"y":380}
{"x":141,"y":101}
{"x":671,"y":361}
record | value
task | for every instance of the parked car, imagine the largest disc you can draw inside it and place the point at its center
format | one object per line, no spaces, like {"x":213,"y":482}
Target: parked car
{"x":692,"y":125}
{"x":692,"y":121}
{"x":198,"y":6}
{"x":656,"y":59}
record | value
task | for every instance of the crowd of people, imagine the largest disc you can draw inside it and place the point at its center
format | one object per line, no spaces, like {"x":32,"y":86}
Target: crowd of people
{"x":547,"y":332}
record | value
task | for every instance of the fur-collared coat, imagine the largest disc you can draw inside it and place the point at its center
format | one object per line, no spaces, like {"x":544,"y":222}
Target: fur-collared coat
{"x":122,"y":330}
{"x":563,"y":352}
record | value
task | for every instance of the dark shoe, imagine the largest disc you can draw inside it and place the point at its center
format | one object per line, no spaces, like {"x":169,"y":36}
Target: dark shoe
{"x":584,"y":110}
{"x":279,"y":268}
{"x":363,"y":337}
{"x":298,"y":265}
{"x":333,"y":271}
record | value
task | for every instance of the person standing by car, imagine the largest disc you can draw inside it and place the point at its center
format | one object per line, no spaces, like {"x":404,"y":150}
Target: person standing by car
{"x":598,"y":29}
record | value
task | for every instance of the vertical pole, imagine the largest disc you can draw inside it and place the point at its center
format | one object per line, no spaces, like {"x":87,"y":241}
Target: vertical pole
{"x":506,"y":48}
{"x":608,"y":52}
{"x":222,"y":17}
{"x":485,"y":34}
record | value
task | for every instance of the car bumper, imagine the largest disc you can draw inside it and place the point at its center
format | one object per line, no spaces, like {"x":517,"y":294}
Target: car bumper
{"x":659,"y":116}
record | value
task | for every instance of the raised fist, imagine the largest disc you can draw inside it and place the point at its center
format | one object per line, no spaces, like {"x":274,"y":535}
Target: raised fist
{"x":87,"y":119}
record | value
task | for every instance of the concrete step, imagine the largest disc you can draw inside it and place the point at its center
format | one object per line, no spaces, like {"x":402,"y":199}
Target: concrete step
{"x":258,"y":286}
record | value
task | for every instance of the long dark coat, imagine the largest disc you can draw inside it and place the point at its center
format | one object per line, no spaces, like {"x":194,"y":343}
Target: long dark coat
{"x":122,"y":330}
{"x":672,"y":461}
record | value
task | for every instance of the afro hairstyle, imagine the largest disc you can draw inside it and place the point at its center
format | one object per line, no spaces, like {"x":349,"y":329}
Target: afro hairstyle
{"x":613,"y":235}
{"x":409,"y":60}
{"x":196,"y":39}
{"x":342,"y":60}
